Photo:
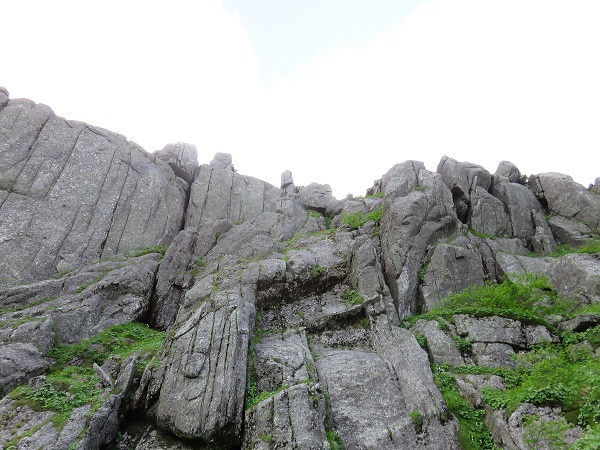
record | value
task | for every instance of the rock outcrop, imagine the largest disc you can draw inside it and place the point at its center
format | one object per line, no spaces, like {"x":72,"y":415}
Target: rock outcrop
{"x":283,"y":317}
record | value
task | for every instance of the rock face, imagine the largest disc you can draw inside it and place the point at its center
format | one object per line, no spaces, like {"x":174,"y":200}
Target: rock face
{"x":76,"y":193}
{"x":289,"y":319}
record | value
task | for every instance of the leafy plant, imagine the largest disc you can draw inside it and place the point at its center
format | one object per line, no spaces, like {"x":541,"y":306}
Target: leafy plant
{"x":422,"y":341}
{"x":352,"y":297}
{"x":318,"y":270}
{"x":358,"y":219}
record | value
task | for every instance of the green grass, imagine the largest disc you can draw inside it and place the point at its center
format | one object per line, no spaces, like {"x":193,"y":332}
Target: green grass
{"x":529,"y":299}
{"x":565,"y":376}
{"x":161,"y":249}
{"x":72,"y":382}
{"x":592,"y":246}
{"x":358,"y":219}
{"x":473,"y":435}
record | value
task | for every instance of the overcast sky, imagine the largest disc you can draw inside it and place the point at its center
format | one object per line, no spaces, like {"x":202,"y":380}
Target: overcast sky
{"x":336,"y":91}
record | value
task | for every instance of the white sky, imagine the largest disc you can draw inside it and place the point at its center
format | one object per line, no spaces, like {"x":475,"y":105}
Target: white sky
{"x":337,"y":94}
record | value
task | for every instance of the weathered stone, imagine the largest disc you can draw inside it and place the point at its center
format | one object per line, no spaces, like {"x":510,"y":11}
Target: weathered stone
{"x":526,"y":423}
{"x":316,"y":196}
{"x":223,"y":161}
{"x":292,"y":418}
{"x":491,"y":329}
{"x":493,"y":355}
{"x":565,"y":197}
{"x":451,"y":269}
{"x":521,"y":205}
{"x":19,"y":363}
{"x":509,"y":170}
{"x":103,"y":425}
{"x":569,"y":231}
{"x":415,"y":380}
{"x":577,"y":276}
{"x":218,"y":194}
{"x":417,"y":212}
{"x":183,"y":159}
{"x":580,"y":323}
{"x":442,"y":349}
{"x":201,"y":390}
{"x":595,"y":188}
{"x":287,"y":182}
{"x":76,"y":192}
{"x":488,"y":215}
{"x":462,"y":178}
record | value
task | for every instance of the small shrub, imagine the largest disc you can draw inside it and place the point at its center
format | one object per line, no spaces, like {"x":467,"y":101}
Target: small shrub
{"x":352,"y":297}
{"x":161,"y":249}
{"x":417,"y":420}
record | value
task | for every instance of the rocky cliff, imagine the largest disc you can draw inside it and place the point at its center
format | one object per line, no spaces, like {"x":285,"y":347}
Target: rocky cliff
{"x":150,"y":302}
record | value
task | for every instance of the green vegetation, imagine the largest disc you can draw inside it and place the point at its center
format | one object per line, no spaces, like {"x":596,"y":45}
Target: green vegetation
{"x":84,"y":286}
{"x":358,"y":219}
{"x":29,"y":305}
{"x":72,"y":382}
{"x":256,"y":398}
{"x":530,"y":300}
{"x":417,"y":420}
{"x":422,"y":341}
{"x":334,"y":439}
{"x":422,"y":272}
{"x":318,"y":270}
{"x":591,"y":246}
{"x":480,"y":234}
{"x":352,"y":297}
{"x":473,"y":434}
{"x":161,"y":249}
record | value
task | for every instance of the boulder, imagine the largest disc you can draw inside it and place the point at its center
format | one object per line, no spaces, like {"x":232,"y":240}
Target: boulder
{"x":595,"y":188}
{"x":223,"y":161}
{"x":570,"y":232}
{"x":488,"y":215}
{"x":182,"y":158}
{"x":316,"y":196}
{"x":442,"y":349}
{"x":508,"y":170}
{"x":565,"y":197}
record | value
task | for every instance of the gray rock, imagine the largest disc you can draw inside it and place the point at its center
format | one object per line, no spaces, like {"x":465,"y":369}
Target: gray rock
{"x":417,"y":212}
{"x":522,"y":206}
{"x":103,"y":425}
{"x":200,"y":384}
{"x":218,"y":194}
{"x":19,"y":363}
{"x":595,"y":188}
{"x":316,"y":196}
{"x":287,"y":182}
{"x":122,"y":295}
{"x":527,"y":433}
{"x":442,"y":349}
{"x":462,"y":178}
{"x":580,"y":323}
{"x":292,"y":418}
{"x":74,"y":427}
{"x":569,"y":231}
{"x":451,"y":269}
{"x":367,"y":407}
{"x":491,"y":329}
{"x":222,"y":161}
{"x":509,"y":170}
{"x":3,"y":97}
{"x":565,"y":197}
{"x":182,"y":262}
{"x":577,"y":276}
{"x":183,"y":159}
{"x":70,"y":190}
{"x":493,"y":355}
{"x":512,"y":246}
{"x":488,"y":215}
